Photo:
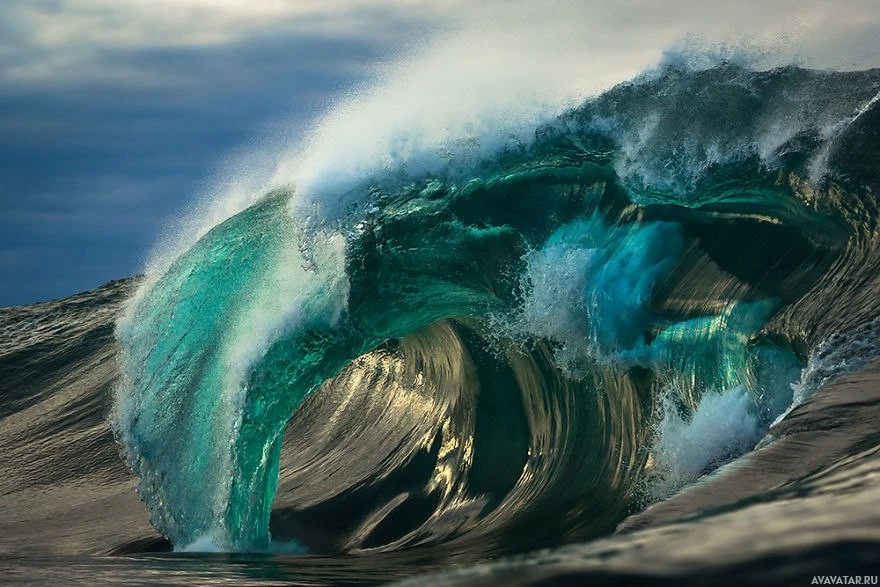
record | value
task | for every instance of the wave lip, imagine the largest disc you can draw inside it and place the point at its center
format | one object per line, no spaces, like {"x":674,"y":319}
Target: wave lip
{"x":556,"y":330}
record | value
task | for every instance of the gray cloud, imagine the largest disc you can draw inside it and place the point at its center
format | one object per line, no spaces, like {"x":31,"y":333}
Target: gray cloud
{"x":91,"y":170}
{"x":47,"y":41}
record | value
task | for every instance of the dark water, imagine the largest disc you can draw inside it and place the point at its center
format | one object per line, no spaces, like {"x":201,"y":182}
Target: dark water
{"x":549,"y":351}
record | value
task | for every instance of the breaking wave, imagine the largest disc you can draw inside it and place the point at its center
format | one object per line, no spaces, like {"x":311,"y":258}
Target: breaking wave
{"x":509,"y":338}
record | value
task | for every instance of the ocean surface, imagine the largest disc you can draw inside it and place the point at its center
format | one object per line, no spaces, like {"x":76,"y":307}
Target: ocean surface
{"x":639,"y":343}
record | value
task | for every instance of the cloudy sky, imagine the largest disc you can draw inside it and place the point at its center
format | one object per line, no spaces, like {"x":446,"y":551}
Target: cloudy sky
{"x":117,"y":115}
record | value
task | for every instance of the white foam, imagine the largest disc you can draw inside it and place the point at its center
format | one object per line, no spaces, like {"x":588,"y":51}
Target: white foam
{"x":555,"y":306}
{"x":819,"y":165}
{"x":722,"y":427}
{"x":837,"y":355}
{"x":204,"y":544}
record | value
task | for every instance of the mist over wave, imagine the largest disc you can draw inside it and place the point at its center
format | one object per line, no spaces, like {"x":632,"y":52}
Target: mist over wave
{"x":490,"y":74}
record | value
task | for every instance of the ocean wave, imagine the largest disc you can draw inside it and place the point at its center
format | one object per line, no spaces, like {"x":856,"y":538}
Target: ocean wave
{"x":510,"y":343}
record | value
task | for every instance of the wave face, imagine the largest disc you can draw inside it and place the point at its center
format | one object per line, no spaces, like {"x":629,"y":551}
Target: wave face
{"x":517,"y":353}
